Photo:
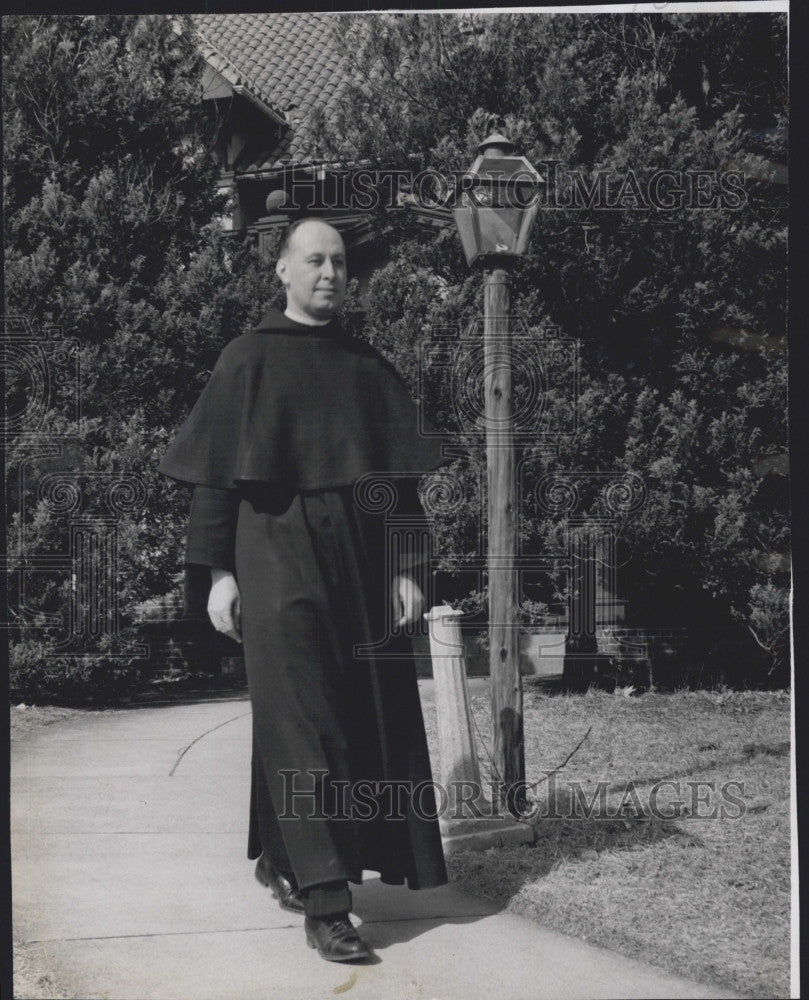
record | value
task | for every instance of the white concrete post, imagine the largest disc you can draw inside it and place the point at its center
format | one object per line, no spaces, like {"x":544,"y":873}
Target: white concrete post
{"x":464,"y":824}
{"x":456,"y":746}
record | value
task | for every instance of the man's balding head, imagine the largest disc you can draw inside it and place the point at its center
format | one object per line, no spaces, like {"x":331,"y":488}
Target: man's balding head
{"x":312,"y":268}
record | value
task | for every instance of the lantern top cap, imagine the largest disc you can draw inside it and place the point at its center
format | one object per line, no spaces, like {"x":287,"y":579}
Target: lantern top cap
{"x":496,"y":141}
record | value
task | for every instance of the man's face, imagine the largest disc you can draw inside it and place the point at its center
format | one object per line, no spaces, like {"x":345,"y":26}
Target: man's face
{"x":313,"y":270}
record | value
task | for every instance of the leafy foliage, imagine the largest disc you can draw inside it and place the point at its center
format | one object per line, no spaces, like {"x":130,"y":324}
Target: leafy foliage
{"x":658,"y":299}
{"x":37,"y":676}
{"x":111,"y":202}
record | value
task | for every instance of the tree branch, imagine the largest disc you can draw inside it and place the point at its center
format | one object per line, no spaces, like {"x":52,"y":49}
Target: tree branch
{"x":559,"y":767}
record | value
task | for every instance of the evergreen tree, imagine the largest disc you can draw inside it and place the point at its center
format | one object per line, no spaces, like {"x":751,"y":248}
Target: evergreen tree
{"x":110,"y":189}
{"x":660,"y":300}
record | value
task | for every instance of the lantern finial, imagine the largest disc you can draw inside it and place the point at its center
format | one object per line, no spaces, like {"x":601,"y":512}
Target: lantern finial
{"x":496,"y":144}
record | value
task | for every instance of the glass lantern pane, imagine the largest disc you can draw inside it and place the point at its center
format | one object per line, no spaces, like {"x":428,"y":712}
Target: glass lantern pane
{"x":499,"y":229}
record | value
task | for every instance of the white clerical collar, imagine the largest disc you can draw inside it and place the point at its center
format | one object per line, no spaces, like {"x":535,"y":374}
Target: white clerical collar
{"x":299,"y":317}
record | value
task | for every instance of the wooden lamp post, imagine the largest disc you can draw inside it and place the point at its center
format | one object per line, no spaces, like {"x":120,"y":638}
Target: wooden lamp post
{"x":495,"y":209}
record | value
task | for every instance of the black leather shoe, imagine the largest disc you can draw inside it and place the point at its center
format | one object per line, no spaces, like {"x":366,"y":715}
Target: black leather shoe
{"x":284,"y":891}
{"x":336,"y":938}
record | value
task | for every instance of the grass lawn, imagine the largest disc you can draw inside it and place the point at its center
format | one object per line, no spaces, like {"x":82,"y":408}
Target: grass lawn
{"x":707,"y":898}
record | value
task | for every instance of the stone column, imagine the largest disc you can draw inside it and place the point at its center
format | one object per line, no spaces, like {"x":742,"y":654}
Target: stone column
{"x":466,"y":815}
{"x":456,"y":748}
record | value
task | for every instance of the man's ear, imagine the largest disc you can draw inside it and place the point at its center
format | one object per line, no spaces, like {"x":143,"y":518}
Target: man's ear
{"x":281,"y":269}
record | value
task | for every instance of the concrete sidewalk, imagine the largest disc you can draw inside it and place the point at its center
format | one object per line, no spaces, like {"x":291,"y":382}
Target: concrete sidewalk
{"x":130,"y":880}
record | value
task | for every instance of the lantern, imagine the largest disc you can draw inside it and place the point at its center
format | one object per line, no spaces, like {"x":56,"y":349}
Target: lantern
{"x":496,"y":202}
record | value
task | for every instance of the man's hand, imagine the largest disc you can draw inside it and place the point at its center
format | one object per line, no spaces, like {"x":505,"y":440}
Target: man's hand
{"x":224,"y":604}
{"x":408,"y":600}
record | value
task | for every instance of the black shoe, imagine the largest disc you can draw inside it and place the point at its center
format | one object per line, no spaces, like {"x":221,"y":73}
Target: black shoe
{"x":284,"y":891}
{"x":336,"y":938}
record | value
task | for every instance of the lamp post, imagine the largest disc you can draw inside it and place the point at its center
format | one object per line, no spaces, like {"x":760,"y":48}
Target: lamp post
{"x":495,"y":209}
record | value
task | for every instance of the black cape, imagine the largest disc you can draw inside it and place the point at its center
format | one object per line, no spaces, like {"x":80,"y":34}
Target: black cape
{"x":304,"y":407}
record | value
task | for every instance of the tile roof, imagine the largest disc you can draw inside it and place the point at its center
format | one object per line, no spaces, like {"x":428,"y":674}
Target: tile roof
{"x":289,"y":62}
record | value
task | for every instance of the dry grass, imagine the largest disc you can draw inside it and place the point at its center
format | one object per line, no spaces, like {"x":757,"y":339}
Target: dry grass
{"x":705,"y":898}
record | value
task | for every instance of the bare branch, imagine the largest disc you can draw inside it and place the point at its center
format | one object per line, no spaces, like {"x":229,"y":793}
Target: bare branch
{"x":559,"y":767}
{"x":760,"y":643}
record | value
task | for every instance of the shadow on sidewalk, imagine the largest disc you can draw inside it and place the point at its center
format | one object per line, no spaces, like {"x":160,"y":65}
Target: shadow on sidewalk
{"x":384,"y":933}
{"x":395,"y":915}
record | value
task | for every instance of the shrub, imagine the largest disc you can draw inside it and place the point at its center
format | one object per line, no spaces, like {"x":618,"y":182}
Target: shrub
{"x":37,"y":676}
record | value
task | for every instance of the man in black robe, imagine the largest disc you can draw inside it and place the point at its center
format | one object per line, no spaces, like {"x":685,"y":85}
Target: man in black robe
{"x":280,"y":446}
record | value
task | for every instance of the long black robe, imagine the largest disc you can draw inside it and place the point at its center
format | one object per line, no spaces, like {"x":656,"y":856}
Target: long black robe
{"x":313,"y":566}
